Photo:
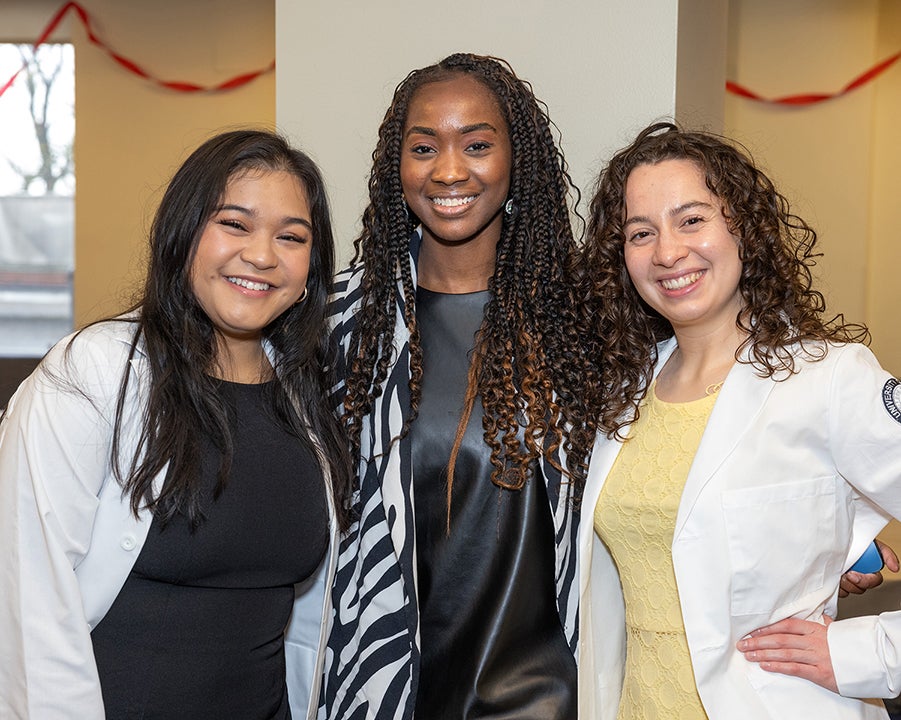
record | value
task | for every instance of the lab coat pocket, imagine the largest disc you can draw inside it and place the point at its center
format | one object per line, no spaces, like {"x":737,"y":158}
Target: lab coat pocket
{"x":779,"y":539}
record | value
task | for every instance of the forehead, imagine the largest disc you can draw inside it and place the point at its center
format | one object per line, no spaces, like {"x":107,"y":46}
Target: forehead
{"x":249,"y":177}
{"x":456,"y":95}
{"x":666,"y":177}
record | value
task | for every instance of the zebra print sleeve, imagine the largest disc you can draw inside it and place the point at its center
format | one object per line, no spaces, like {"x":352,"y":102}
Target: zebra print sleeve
{"x":372,"y":655}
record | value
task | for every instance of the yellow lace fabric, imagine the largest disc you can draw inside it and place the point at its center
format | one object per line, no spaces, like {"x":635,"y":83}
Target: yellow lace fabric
{"x":636,"y":517}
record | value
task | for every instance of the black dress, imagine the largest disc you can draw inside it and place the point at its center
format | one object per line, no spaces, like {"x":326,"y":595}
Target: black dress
{"x":197,"y":629}
{"x":490,"y":635}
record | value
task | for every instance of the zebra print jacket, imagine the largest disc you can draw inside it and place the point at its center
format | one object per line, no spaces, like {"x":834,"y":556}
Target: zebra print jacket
{"x":372,"y":658}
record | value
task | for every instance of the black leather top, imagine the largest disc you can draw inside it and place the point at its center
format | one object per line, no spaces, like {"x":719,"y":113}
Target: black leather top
{"x":491,"y":639}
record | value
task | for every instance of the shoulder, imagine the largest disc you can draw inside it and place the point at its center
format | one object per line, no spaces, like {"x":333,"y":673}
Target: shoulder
{"x":347,"y":281}
{"x":345,"y":297}
{"x":78,"y":381}
{"x":93,"y":359}
{"x":346,"y":288}
{"x":832,"y":357}
{"x":104,"y":344}
{"x":837,"y":373}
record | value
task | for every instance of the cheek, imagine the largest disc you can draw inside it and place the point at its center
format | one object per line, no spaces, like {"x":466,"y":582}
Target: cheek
{"x":196,"y":272}
{"x":208,"y":254}
{"x":501,"y":176}
{"x":407,"y":178}
{"x":634,"y":264}
{"x":298,"y":264}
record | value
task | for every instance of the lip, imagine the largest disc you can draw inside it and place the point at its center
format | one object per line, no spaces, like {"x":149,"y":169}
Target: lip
{"x":246,"y":284}
{"x":680,"y":283}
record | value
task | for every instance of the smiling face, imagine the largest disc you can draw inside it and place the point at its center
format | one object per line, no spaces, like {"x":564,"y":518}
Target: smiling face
{"x":456,"y":161}
{"x":679,"y":252}
{"x":253,"y":257}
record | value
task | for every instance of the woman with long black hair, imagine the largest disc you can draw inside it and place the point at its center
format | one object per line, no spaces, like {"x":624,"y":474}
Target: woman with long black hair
{"x":172,"y":479}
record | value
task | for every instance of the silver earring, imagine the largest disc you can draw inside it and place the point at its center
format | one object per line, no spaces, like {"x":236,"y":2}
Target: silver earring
{"x":510,"y":208}
{"x":303,"y":296}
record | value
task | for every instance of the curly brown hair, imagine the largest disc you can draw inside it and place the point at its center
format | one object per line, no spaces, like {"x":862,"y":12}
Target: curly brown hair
{"x":780,"y":307}
{"x":526,"y":363}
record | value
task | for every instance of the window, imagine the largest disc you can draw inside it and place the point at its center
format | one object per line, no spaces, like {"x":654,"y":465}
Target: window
{"x":37,"y":188}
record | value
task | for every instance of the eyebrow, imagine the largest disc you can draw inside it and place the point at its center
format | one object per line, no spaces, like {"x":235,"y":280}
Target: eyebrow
{"x":431,"y":132}
{"x":672,"y":213}
{"x":287,"y":220}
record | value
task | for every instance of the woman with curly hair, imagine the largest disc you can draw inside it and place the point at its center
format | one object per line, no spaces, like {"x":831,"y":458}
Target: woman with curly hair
{"x":172,"y":479}
{"x":455,"y":595}
{"x":747,"y":452}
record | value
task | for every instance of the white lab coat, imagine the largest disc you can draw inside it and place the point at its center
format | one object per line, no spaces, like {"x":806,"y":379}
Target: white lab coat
{"x":791,"y":481}
{"x":69,"y":540}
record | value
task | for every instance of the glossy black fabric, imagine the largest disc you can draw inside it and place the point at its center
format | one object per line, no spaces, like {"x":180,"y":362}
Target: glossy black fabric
{"x":491,"y":639}
{"x":197,"y":630}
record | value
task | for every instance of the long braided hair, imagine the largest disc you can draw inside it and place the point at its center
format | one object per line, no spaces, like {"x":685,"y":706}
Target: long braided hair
{"x":526,"y":366}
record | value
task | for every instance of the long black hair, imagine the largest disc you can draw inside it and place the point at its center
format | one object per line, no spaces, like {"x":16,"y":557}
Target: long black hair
{"x":179,"y":340}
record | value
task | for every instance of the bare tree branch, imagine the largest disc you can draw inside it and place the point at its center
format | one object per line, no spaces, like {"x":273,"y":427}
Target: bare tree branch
{"x":40,"y":74}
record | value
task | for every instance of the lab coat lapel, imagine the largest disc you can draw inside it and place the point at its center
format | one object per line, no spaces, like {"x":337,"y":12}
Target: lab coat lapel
{"x":740,"y":400}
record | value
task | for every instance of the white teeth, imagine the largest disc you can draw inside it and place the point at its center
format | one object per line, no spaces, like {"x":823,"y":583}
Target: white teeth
{"x":248,"y":284}
{"x":453,"y":201}
{"x":681,"y":282}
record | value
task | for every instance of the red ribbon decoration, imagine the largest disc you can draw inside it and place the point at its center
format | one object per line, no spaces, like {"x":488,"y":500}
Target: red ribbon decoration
{"x":130,"y":65}
{"x":814,"y":98}
{"x":243,"y":79}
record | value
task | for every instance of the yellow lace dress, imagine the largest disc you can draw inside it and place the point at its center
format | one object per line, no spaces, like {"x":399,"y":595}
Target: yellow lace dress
{"x":636,"y":517}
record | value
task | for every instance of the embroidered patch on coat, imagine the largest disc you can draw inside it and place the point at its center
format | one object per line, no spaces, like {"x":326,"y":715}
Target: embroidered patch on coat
{"x":891,"y":398}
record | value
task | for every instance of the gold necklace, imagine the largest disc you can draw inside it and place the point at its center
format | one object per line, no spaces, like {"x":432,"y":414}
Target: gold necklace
{"x":713,"y":387}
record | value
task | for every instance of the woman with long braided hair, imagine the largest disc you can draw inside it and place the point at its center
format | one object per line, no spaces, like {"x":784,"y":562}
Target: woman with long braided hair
{"x":455,"y":593}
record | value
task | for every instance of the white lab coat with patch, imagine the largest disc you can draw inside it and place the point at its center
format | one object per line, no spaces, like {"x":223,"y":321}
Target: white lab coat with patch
{"x":68,"y":539}
{"x":790,"y":483}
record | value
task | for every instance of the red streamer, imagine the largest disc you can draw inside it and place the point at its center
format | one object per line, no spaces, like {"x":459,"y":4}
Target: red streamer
{"x":245,"y":78}
{"x":814,"y":98}
{"x":130,"y":65}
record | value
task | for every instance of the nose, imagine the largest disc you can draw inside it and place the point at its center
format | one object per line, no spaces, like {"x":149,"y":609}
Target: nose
{"x":669,"y":248}
{"x":259,"y":251}
{"x":449,"y":168}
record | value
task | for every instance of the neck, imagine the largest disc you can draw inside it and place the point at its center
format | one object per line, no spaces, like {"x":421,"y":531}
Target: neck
{"x":455,"y":269}
{"x":242,"y":362}
{"x":699,"y":365}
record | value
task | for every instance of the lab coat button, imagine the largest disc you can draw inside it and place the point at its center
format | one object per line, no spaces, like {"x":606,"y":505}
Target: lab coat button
{"x":128,"y":542}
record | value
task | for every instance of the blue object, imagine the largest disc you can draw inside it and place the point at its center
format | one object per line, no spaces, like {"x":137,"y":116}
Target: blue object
{"x":870,"y":561}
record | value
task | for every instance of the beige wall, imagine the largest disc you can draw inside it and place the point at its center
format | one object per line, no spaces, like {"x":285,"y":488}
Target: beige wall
{"x":604,"y":68}
{"x":604,"y":71}
{"x":883,"y":296}
{"x":23,"y":20}
{"x":701,"y":58}
{"x":835,"y":161}
{"x":132,"y":135}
